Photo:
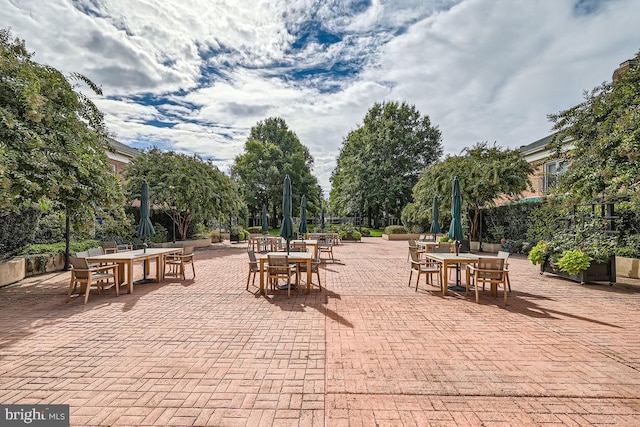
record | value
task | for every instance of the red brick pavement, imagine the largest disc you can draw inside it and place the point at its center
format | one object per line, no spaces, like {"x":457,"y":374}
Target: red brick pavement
{"x":366,"y":350}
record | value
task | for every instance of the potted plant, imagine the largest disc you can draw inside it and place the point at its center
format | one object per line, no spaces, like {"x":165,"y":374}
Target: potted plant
{"x":586,"y":254}
{"x":573,"y":261}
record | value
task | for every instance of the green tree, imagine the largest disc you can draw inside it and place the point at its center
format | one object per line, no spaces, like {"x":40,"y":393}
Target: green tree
{"x":198,"y":190}
{"x":271,"y":152}
{"x":485,"y":173}
{"x":605,"y":133}
{"x":381,"y":161}
{"x":52,"y":140}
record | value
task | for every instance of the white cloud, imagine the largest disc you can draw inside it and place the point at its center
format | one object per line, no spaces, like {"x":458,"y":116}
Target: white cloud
{"x":481,"y":69}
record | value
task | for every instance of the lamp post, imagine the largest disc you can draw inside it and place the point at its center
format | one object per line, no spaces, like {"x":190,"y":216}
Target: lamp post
{"x":174,"y":208}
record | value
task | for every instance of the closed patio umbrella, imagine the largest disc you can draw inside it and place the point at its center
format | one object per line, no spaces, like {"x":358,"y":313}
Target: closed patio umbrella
{"x":265,"y":220}
{"x":455,"y":229}
{"x":286,"y":230}
{"x":303,"y":216}
{"x":145,"y":227}
{"x":435,"y":224}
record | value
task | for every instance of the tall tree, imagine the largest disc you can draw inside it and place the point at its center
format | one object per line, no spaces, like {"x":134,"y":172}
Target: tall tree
{"x":485,"y":173}
{"x":605,"y":133}
{"x":52,"y":139}
{"x":271,"y":152}
{"x":198,"y":190}
{"x":381,"y":161}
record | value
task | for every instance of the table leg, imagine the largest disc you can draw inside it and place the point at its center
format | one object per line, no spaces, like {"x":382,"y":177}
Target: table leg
{"x":130,"y":276}
{"x":444,"y":278}
{"x":158,"y":278}
{"x":308,"y":276}
{"x":262,"y":276}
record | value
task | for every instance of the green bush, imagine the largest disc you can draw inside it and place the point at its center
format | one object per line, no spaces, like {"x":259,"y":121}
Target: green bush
{"x":364,"y":231}
{"x":395,"y":229}
{"x":573,"y":261}
{"x":17,"y":229}
{"x":255,"y":229}
{"x":59,"y":247}
{"x":161,"y":234}
{"x":356,"y":235}
{"x":445,"y":238}
{"x":115,"y":228}
{"x":539,"y":253}
{"x":50,"y":229}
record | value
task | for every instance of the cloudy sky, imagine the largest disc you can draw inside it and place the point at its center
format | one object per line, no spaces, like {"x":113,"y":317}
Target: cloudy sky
{"x":196,"y":75}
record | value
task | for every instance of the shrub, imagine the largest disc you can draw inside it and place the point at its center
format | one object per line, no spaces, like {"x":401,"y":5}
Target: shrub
{"x":364,"y":231}
{"x":445,"y":238}
{"x":539,"y":253}
{"x":17,"y":229}
{"x":573,"y":261}
{"x":356,"y":235}
{"x":255,"y":229}
{"x":161,"y":234}
{"x":395,"y":229}
{"x":59,"y":247}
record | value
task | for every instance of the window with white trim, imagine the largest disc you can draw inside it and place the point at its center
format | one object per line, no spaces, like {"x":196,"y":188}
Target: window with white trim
{"x":551,"y":172}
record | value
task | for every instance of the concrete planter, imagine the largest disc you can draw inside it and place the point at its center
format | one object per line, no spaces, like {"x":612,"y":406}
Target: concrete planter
{"x":628,"y":267}
{"x":43,"y":263}
{"x":400,"y":236}
{"x":491,"y":247}
{"x":12,"y":271}
{"x":196,"y":243}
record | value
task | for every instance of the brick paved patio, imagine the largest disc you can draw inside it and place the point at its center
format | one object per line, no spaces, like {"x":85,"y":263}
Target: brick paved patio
{"x":367,"y":350}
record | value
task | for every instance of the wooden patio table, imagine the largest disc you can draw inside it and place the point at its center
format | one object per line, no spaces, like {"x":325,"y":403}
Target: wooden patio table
{"x":297,"y":257}
{"x":450,"y":258}
{"x":129,"y":257}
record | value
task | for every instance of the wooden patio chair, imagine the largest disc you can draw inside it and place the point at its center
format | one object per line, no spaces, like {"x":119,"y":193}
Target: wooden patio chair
{"x":280,"y":268}
{"x":97,"y":277}
{"x":423,"y":266}
{"x":505,"y":255}
{"x":176,"y":262}
{"x":487,"y":270}
{"x":254,"y":267}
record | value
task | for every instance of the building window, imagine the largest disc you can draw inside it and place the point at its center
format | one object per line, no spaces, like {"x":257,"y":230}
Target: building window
{"x":551,"y":172}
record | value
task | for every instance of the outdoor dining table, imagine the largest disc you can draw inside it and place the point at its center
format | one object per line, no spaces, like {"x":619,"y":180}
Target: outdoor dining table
{"x":297,"y":257}
{"x":129,"y":257}
{"x":309,"y":242}
{"x":450,"y":258}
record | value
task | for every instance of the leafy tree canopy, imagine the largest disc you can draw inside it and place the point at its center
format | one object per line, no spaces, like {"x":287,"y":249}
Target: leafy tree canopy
{"x":198,"y":190}
{"x":381,"y":161}
{"x":485,"y":173}
{"x":52,"y":139}
{"x":271,"y":152}
{"x":605,"y":133}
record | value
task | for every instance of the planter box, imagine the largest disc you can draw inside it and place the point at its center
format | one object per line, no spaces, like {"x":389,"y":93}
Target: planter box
{"x":45,"y":263}
{"x":597,"y":272}
{"x":196,"y":243}
{"x":400,"y":236}
{"x":628,"y":267}
{"x":491,"y":247}
{"x":12,"y":271}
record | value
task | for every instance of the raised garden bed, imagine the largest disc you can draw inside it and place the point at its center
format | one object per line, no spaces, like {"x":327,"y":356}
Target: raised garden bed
{"x":597,"y":272}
